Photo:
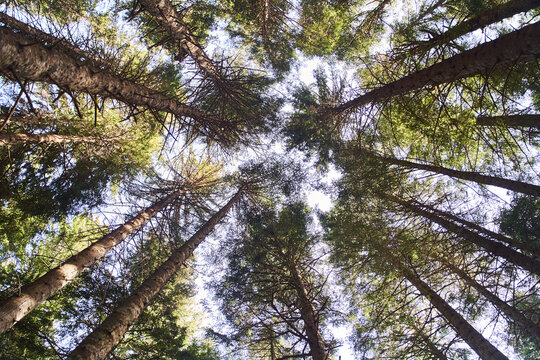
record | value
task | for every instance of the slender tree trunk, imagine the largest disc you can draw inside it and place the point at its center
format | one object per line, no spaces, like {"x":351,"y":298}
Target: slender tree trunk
{"x":488,"y":17}
{"x":526,"y":120}
{"x":491,"y":246}
{"x":512,"y":313}
{"x":311,"y":323}
{"x":17,"y":139}
{"x":431,"y":347}
{"x":28,"y":60}
{"x":168,"y":18}
{"x":105,"y":338}
{"x":519,"y":46}
{"x":32,"y":295}
{"x":534,"y":250}
{"x":514,"y":185}
{"x":473,"y":338}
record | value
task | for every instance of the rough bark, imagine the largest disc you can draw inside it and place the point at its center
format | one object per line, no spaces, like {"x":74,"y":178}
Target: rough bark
{"x":534,"y":250}
{"x":513,"y":185}
{"x":105,"y":338}
{"x":32,"y":295}
{"x":33,"y":61}
{"x":168,"y":18}
{"x":519,"y":46}
{"x":466,"y":331}
{"x":526,"y":120}
{"x":18,"y":139}
{"x":314,"y":338}
{"x":491,"y":246}
{"x":512,"y":313}
{"x":488,"y":17}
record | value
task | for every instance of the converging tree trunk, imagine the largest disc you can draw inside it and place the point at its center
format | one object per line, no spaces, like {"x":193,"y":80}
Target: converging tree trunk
{"x":468,"y":333}
{"x":514,"y":185}
{"x":525,"y":120}
{"x":509,"y":311}
{"x":500,"y":237}
{"x":32,"y":295}
{"x":168,"y":18}
{"x":19,"y":139}
{"x":314,"y":338}
{"x":518,"y":46}
{"x":105,"y":338}
{"x":488,"y":17}
{"x":29,"y":60}
{"x":491,"y":246}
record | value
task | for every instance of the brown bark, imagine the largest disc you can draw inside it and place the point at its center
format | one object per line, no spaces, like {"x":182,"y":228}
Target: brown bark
{"x":468,"y":333}
{"x":168,"y":18}
{"x":491,"y":246}
{"x":105,"y":338}
{"x":513,"y":185}
{"x":33,"y":61}
{"x":32,"y":295}
{"x":519,"y":46}
{"x":311,"y":323}
{"x":526,"y":120}
{"x":512,"y":313}
{"x":534,"y":250}
{"x":488,"y":17}
{"x":16,"y":139}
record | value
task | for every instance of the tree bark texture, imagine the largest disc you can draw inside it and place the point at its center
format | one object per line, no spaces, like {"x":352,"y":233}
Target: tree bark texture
{"x":525,"y":120}
{"x":168,"y":18}
{"x":19,"y":139}
{"x":485,"y":18}
{"x":104,"y":339}
{"x":468,"y":333}
{"x":315,"y":341}
{"x":513,"y":185}
{"x":511,"y":313}
{"x":519,"y":46}
{"x":33,"y":61}
{"x":32,"y":295}
{"x":491,"y":246}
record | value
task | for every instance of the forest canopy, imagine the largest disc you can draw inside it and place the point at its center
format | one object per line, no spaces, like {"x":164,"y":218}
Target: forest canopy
{"x":270,"y":179}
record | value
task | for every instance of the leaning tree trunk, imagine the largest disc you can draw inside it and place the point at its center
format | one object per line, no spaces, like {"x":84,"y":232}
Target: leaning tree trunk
{"x":311,"y":323}
{"x":500,"y":237}
{"x":514,"y":185}
{"x":525,"y":120}
{"x":32,"y":295}
{"x":468,"y":333}
{"x":20,"y":139}
{"x":519,"y":46}
{"x":512,"y":313}
{"x":168,"y":18}
{"x":105,"y":338}
{"x":491,"y":246}
{"x":488,"y":17}
{"x":26,"y":59}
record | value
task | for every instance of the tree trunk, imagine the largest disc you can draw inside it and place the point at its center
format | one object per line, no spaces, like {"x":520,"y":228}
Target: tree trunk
{"x":514,"y":185}
{"x":431,"y":347}
{"x":168,"y":18}
{"x":488,"y":17}
{"x":32,"y":295}
{"x":105,"y":338}
{"x":491,"y":246}
{"x":519,"y":46}
{"x":512,"y":313}
{"x":473,"y":338}
{"x":522,"y":246}
{"x":311,"y":323}
{"x":28,"y":60}
{"x":19,"y":139}
{"x":526,"y":120}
